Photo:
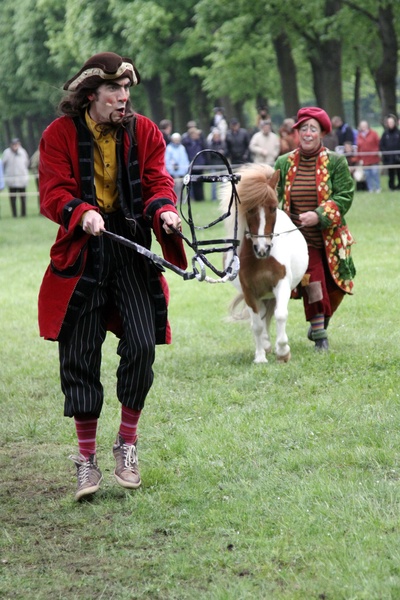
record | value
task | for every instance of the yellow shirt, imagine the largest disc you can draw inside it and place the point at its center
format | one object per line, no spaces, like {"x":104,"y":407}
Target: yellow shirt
{"x":105,"y":168}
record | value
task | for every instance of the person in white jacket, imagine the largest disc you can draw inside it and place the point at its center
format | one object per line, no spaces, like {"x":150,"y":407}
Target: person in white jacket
{"x":16,"y":174}
{"x":265,"y":144}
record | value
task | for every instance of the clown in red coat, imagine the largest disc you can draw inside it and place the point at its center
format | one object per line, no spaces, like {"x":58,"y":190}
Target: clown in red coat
{"x":64,"y":201}
{"x":102,"y":169}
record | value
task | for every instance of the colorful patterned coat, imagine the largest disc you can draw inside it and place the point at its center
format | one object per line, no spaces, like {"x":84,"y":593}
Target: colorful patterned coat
{"x":335,"y":191}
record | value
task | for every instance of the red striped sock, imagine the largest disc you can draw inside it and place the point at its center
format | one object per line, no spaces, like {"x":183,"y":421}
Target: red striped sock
{"x":129,"y":424}
{"x":86,"y":430}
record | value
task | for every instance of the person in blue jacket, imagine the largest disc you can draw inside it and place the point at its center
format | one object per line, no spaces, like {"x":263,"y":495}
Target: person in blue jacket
{"x":176,"y":161}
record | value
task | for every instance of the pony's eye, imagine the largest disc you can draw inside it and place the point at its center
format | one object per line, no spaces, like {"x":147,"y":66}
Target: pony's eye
{"x":273,"y":209}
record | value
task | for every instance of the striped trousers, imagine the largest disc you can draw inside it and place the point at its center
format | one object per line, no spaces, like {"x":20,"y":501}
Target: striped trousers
{"x":122,"y":282}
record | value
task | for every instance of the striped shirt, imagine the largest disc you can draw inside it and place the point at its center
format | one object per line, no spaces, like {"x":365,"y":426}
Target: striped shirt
{"x":304,"y":197}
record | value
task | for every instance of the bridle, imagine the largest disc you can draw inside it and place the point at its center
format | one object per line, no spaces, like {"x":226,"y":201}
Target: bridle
{"x":248,"y":235}
{"x":200,"y":260}
{"x":271,"y":235}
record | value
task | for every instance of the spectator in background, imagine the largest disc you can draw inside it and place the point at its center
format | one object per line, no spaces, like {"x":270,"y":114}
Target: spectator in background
{"x":349,"y":150}
{"x":262,"y":115}
{"x":190,"y":125}
{"x":34,"y":169}
{"x":289,"y":137}
{"x":331,"y":140}
{"x":343,"y":131}
{"x":265,"y":144}
{"x":219,"y":121}
{"x":15,"y":164}
{"x":166,"y":128}
{"x":194,"y":143}
{"x":368,"y":155}
{"x":176,"y":161}
{"x":389,"y":145}
{"x":357,"y":171}
{"x":216,"y":144}
{"x":237,"y":143}
{"x":2,"y":184}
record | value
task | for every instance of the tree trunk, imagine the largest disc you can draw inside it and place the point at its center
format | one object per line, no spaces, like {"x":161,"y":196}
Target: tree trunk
{"x":229,"y":108}
{"x":325,"y":55}
{"x":327,"y":77}
{"x":385,"y":74}
{"x":181,"y":113}
{"x":202,"y":104}
{"x":154,"y":95}
{"x":5,"y":134}
{"x":31,"y":143}
{"x":287,"y":73}
{"x":357,"y":95}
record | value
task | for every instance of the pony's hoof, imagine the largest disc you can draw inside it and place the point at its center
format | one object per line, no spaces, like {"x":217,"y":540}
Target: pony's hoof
{"x":284,"y":358}
{"x":259,"y":360}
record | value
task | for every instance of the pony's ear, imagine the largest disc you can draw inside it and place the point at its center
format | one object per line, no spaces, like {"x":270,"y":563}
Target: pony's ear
{"x":273,"y":182}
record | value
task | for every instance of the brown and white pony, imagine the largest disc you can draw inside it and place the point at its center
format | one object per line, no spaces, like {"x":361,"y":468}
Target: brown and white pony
{"x":273,"y":257}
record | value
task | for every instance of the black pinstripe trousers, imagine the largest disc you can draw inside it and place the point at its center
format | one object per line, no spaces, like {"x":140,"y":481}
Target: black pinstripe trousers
{"x":122,"y":281}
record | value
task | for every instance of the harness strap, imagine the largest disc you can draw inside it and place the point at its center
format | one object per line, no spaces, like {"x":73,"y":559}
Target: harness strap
{"x":158,"y":260}
{"x":229,"y":274}
{"x":248,"y":233}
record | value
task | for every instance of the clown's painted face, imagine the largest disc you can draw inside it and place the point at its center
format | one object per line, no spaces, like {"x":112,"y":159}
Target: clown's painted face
{"x":109,"y":100}
{"x":310,"y":135}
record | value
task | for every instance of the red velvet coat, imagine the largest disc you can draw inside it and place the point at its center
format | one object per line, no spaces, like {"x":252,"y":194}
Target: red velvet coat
{"x":61,"y":201}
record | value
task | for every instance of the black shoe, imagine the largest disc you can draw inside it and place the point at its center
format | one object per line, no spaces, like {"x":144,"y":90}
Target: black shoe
{"x":322,"y":345}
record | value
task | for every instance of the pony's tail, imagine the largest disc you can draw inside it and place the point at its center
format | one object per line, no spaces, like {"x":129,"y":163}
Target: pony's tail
{"x":244,"y":315}
{"x":270,"y":305}
{"x":235,"y":313}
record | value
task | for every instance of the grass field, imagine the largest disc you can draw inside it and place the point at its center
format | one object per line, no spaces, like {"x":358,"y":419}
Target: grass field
{"x":267,"y":481}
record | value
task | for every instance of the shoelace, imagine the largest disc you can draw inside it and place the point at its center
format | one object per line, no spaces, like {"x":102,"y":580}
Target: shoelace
{"x":83,"y":468}
{"x":83,"y":472}
{"x":130,"y":456}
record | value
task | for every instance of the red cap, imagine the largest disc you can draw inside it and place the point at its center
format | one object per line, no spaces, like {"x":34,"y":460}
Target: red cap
{"x":313,"y":112}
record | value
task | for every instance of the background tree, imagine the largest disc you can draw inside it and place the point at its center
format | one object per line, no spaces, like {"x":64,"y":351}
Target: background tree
{"x":27,"y":93}
{"x":155,"y":32}
{"x":384,"y":58}
{"x":288,"y":73}
{"x":196,"y":54}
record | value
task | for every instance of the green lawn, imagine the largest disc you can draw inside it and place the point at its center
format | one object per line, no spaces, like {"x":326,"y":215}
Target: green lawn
{"x":267,"y":481}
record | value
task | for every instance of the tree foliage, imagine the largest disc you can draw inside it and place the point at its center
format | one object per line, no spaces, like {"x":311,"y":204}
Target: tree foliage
{"x":194,"y":54}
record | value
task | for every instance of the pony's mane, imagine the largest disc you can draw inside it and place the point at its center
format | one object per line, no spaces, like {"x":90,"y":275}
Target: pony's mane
{"x":253,"y":190}
{"x":254,"y":187}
